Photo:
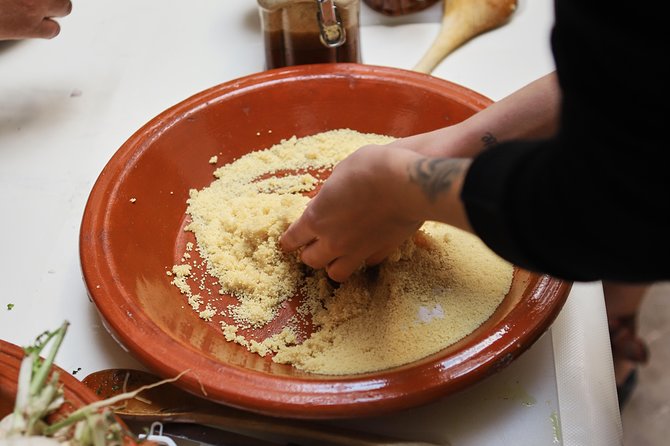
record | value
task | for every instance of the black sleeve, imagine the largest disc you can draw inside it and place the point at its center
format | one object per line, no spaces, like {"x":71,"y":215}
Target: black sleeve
{"x":593,"y":202}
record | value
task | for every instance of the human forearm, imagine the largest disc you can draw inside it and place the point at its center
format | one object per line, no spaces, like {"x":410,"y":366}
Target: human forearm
{"x":439,"y":182}
{"x":529,"y":113}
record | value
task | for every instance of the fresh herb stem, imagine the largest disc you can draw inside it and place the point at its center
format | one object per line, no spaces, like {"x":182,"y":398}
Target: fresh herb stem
{"x":42,"y":373}
{"x":84,"y":412}
{"x":40,"y":393}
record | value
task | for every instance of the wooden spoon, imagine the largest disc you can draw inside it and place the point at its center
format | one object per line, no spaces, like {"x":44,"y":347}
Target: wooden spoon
{"x":463,"y":20}
{"x":168,"y":403}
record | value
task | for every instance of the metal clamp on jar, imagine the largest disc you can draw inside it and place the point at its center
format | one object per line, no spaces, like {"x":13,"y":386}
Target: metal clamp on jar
{"x":310,"y":31}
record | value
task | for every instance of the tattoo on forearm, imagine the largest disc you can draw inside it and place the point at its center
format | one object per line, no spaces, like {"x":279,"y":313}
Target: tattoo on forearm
{"x":435,"y":175}
{"x":489,"y":140}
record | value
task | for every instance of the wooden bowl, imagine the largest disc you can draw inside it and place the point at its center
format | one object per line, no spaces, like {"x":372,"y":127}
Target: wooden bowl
{"x":126,"y":246}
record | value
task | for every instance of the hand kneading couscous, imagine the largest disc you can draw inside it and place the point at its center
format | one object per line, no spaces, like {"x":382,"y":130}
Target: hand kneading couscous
{"x":437,"y":288}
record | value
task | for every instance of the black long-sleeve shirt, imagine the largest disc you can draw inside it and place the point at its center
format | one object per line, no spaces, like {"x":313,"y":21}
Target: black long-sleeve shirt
{"x":592,"y":202}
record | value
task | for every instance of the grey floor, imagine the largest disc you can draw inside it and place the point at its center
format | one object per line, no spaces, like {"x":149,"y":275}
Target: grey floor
{"x":646,"y":417}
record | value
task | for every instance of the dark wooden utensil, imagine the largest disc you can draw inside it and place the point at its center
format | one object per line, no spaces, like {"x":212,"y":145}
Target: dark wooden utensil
{"x":168,"y":403}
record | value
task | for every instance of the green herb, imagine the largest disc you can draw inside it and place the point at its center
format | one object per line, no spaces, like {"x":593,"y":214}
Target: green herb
{"x":9,"y":307}
{"x":39,"y":394}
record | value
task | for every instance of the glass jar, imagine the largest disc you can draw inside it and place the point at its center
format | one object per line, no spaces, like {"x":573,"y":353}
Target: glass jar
{"x":299,"y":32}
{"x":399,"y":7}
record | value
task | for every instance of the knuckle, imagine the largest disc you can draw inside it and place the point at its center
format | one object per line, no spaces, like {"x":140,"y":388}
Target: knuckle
{"x":310,"y":219}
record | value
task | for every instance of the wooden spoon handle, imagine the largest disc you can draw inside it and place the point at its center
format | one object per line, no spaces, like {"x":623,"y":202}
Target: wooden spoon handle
{"x":168,"y":403}
{"x":463,"y":20}
{"x":278,"y":429}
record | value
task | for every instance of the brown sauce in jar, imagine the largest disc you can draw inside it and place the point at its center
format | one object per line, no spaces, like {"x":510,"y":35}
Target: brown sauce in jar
{"x":284,"y":48}
{"x":292,"y":31}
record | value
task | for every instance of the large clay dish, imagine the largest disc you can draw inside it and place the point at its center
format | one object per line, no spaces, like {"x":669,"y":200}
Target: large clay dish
{"x":126,"y":246}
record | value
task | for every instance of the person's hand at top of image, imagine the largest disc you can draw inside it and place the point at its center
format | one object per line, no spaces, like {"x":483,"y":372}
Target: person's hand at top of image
{"x":25,"y":19}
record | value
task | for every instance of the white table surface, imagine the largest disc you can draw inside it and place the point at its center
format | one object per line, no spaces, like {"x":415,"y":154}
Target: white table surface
{"x":67,"y":104}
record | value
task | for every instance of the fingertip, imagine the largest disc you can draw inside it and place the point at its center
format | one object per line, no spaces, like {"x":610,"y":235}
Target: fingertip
{"x":295,"y":236}
{"x":283,"y":245}
{"x":378,"y":257}
{"x":48,"y":29}
{"x":286,"y":242}
{"x":338,"y":275}
{"x":314,"y":256}
{"x":60,"y":8}
{"x":341,"y":269}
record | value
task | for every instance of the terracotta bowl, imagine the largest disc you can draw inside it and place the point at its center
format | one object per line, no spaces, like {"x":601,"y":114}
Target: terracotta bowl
{"x":125,"y":247}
